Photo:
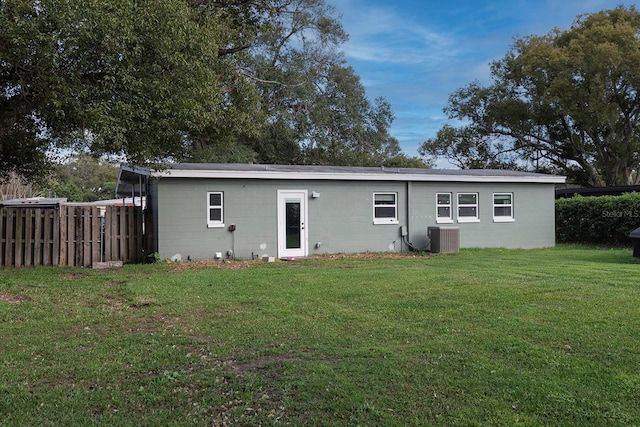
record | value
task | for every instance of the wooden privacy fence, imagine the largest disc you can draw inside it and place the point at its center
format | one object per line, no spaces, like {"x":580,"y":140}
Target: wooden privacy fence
{"x":29,"y":236}
{"x":70,"y":235}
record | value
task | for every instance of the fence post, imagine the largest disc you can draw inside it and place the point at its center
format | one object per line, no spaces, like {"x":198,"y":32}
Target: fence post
{"x":8,"y":253}
{"x":56,"y":242}
{"x":38,"y":239}
{"x":29,"y":236}
{"x":63,"y":235}
{"x":121,"y":233}
{"x":84,"y":251}
{"x":19,"y":237}
{"x":96,"y":235}
{"x":77,"y":253}
{"x":108,"y":232}
{"x":139,"y":234}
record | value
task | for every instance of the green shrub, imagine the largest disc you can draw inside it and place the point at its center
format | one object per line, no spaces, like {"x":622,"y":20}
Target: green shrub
{"x":597,"y":220}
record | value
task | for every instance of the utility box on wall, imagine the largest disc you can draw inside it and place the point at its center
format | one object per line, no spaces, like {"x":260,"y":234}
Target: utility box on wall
{"x":444,"y":239}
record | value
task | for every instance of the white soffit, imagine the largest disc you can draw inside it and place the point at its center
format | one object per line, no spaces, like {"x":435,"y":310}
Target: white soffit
{"x":355,"y":176}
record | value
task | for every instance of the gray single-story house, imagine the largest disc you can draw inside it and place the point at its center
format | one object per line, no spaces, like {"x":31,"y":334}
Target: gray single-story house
{"x":208,"y":211}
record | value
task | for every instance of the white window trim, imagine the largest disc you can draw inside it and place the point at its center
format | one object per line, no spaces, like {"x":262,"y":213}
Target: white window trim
{"x":503,"y":218}
{"x":468,"y":219}
{"x":445,"y":220}
{"x":382,"y":221}
{"x":476,"y":205}
{"x":215,"y":224}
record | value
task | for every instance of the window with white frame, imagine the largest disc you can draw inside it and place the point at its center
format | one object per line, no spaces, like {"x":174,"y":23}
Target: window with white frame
{"x":444,"y":212}
{"x":215,"y":209}
{"x":385,"y":208}
{"x":468,"y":207}
{"x":503,"y":207}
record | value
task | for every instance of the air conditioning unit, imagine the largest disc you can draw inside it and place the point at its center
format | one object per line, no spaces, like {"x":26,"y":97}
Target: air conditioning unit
{"x":444,"y":239}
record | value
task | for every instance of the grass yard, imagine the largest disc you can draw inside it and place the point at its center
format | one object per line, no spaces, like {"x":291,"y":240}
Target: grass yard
{"x":482,"y":337}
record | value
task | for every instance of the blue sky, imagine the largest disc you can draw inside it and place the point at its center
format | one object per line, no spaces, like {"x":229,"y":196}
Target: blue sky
{"x":416,"y":52}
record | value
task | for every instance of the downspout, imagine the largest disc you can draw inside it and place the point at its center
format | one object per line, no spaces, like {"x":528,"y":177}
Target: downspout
{"x":408,"y":213}
{"x":406,"y":239}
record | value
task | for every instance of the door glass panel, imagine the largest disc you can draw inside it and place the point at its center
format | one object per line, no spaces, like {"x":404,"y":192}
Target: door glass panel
{"x":292,"y":220}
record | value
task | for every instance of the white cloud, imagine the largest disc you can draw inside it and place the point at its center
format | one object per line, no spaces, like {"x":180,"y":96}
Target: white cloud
{"x":416,"y":53}
{"x":381,"y":35}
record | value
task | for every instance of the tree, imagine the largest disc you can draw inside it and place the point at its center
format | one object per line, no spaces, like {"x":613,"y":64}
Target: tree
{"x":567,"y":101}
{"x":204,"y":80}
{"x":469,"y":149}
{"x":15,"y":187}
{"x":82,"y":178}
{"x":344,"y":127}
{"x":136,"y":79}
{"x":313,"y":107}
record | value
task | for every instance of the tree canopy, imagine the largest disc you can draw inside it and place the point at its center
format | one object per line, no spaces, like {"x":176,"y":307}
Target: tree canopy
{"x":313,"y":107}
{"x":567,"y":101}
{"x":100,"y":76}
{"x":204,"y":80}
{"x":82,"y":178}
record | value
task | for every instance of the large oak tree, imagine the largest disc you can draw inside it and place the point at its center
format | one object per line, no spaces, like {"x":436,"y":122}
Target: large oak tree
{"x":124,"y":77}
{"x":203,"y":80}
{"x":567,"y":101}
{"x":313,"y":107}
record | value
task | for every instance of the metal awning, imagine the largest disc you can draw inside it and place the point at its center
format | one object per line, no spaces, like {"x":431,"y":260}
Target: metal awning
{"x":132,"y":181}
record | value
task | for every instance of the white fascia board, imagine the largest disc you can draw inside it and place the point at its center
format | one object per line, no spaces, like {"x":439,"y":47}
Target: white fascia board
{"x":228,"y":174}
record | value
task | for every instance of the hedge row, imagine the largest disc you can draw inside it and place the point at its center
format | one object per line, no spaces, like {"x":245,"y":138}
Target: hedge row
{"x":597,"y":220}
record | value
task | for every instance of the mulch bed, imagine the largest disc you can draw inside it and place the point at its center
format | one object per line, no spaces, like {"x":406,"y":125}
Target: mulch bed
{"x":241,"y":264}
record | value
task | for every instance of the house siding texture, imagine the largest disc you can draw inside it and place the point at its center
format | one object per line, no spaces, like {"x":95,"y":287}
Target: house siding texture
{"x":340,"y":220}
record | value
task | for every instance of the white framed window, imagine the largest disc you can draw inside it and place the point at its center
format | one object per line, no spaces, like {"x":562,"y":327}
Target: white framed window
{"x":444,"y":212}
{"x":215,"y":209}
{"x":468,"y":207}
{"x":385,"y":208}
{"x":503,"y":207}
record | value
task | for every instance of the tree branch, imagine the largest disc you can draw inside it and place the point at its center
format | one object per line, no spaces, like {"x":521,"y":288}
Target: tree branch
{"x":232,"y":50}
{"x":256,"y":79}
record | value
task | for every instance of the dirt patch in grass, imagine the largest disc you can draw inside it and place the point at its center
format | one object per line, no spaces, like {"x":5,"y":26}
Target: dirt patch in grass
{"x":260,"y":363}
{"x":141,"y":302}
{"x":75,"y":275}
{"x":13,"y":298}
{"x":115,"y":283}
{"x":118,"y":303}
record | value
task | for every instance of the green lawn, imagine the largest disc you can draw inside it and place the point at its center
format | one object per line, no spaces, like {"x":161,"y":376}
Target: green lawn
{"x":482,"y":337}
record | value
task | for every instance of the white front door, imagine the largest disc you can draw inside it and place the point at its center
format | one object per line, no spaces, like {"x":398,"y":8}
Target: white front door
{"x":292,"y":223}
